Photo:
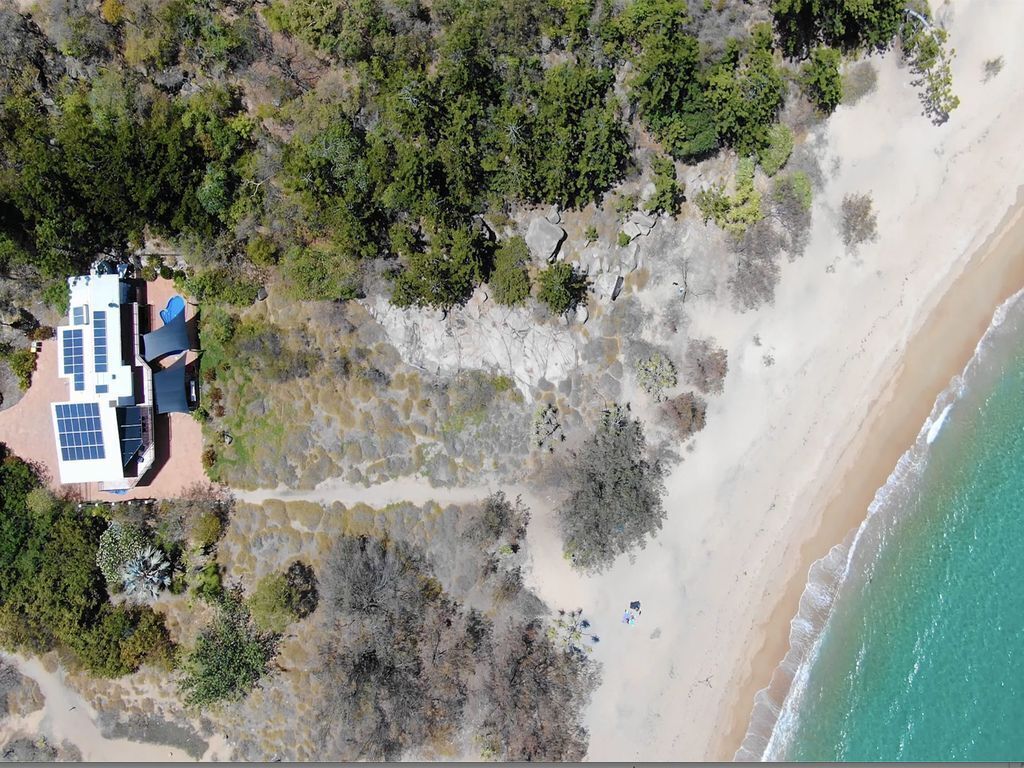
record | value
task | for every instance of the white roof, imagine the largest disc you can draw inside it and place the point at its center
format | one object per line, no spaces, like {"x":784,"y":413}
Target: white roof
{"x":89,"y":357}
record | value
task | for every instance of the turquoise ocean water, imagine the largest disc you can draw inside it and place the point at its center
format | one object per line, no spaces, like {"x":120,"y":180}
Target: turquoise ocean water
{"x":920,"y":656}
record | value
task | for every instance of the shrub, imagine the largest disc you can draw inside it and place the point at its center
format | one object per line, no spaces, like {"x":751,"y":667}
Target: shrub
{"x":218,"y":325}
{"x":270,"y":603}
{"x":686,"y":412}
{"x":776,"y":152}
{"x":303,"y":593}
{"x":668,"y":193}
{"x":858,"y":223}
{"x":209,"y":457}
{"x":119,"y":545}
{"x":706,"y":365}
{"x":655,"y":374}
{"x":207,"y":583}
{"x":623,"y":240}
{"x":546,"y":427}
{"x":821,"y":79}
{"x":58,"y":296}
{"x":206,"y":529}
{"x":509,"y":280}
{"x":220,"y":285}
{"x":229,"y":657}
{"x":789,"y":205}
{"x":23,"y":365}
{"x":733,"y":213}
{"x":615,"y":494}
{"x":562,"y":287}
{"x":993,"y":67}
{"x":42,"y":333}
{"x":262,"y":251}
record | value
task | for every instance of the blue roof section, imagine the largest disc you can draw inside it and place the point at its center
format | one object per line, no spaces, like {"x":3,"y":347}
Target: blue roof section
{"x":129,"y":427}
{"x":79,"y":433}
{"x":166,"y":340}
{"x":169,"y":388}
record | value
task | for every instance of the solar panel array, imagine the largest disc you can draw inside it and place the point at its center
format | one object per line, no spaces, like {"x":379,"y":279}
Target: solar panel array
{"x":130,"y":426}
{"x":78,"y":315}
{"x":73,"y":357}
{"x":79,"y":431}
{"x":99,"y":337}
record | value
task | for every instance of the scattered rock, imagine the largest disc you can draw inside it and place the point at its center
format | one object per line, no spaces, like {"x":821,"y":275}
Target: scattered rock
{"x":633,"y":229}
{"x":582,"y":314}
{"x":544,"y":239}
{"x":644,"y":221}
{"x":261,"y":294}
{"x":553,"y":215}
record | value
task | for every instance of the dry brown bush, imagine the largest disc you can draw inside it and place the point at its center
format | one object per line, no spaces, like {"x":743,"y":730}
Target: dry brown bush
{"x":686,"y":412}
{"x":706,"y":365}
{"x":859,"y":223}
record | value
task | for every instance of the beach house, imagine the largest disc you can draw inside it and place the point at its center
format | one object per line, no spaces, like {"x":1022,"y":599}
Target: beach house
{"x":106,"y":429}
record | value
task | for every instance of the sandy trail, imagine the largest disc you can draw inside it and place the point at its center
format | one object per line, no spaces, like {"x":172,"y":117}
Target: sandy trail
{"x":66,"y":716}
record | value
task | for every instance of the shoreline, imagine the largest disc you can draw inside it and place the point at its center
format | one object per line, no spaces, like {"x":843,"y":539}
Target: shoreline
{"x":940,"y":347}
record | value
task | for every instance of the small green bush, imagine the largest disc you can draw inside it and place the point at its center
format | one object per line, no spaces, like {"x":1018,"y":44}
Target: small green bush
{"x":821,"y":79}
{"x":57,"y":295}
{"x":668,"y":193}
{"x":270,"y":603}
{"x":229,"y":657}
{"x":623,"y":240}
{"x":119,"y":545}
{"x":776,"y":152}
{"x":23,"y":365}
{"x":736,"y":212}
{"x":562,"y":287}
{"x":207,"y":583}
{"x":509,"y":281}
{"x":206,"y":529}
{"x":655,"y":374}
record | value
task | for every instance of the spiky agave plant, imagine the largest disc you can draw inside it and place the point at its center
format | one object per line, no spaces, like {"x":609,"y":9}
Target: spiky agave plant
{"x":145,"y":575}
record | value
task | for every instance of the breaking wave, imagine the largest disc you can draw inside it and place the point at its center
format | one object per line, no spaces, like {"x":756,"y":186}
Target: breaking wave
{"x":777,"y":707}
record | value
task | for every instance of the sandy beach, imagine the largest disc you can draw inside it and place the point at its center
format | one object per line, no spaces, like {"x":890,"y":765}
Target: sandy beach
{"x":862,"y":345}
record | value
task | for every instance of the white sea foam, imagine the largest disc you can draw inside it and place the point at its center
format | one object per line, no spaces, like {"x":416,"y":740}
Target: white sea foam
{"x":936,"y":427}
{"x":777,"y":707}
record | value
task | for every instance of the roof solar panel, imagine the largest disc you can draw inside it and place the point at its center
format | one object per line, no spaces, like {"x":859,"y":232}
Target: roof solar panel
{"x":99,"y":336}
{"x":79,"y":431}
{"x":74,"y":364}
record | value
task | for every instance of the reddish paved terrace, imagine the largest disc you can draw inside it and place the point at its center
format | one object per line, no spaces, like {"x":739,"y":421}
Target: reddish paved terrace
{"x":27,"y":427}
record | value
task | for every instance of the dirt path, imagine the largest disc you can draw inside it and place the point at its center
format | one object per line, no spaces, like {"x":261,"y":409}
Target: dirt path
{"x":67,"y":717}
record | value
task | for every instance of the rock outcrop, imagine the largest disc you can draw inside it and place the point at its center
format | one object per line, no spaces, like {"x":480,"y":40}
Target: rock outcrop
{"x":544,"y":238}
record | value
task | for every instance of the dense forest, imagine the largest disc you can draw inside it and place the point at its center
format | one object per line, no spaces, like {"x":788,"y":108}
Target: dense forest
{"x":364,"y":145}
